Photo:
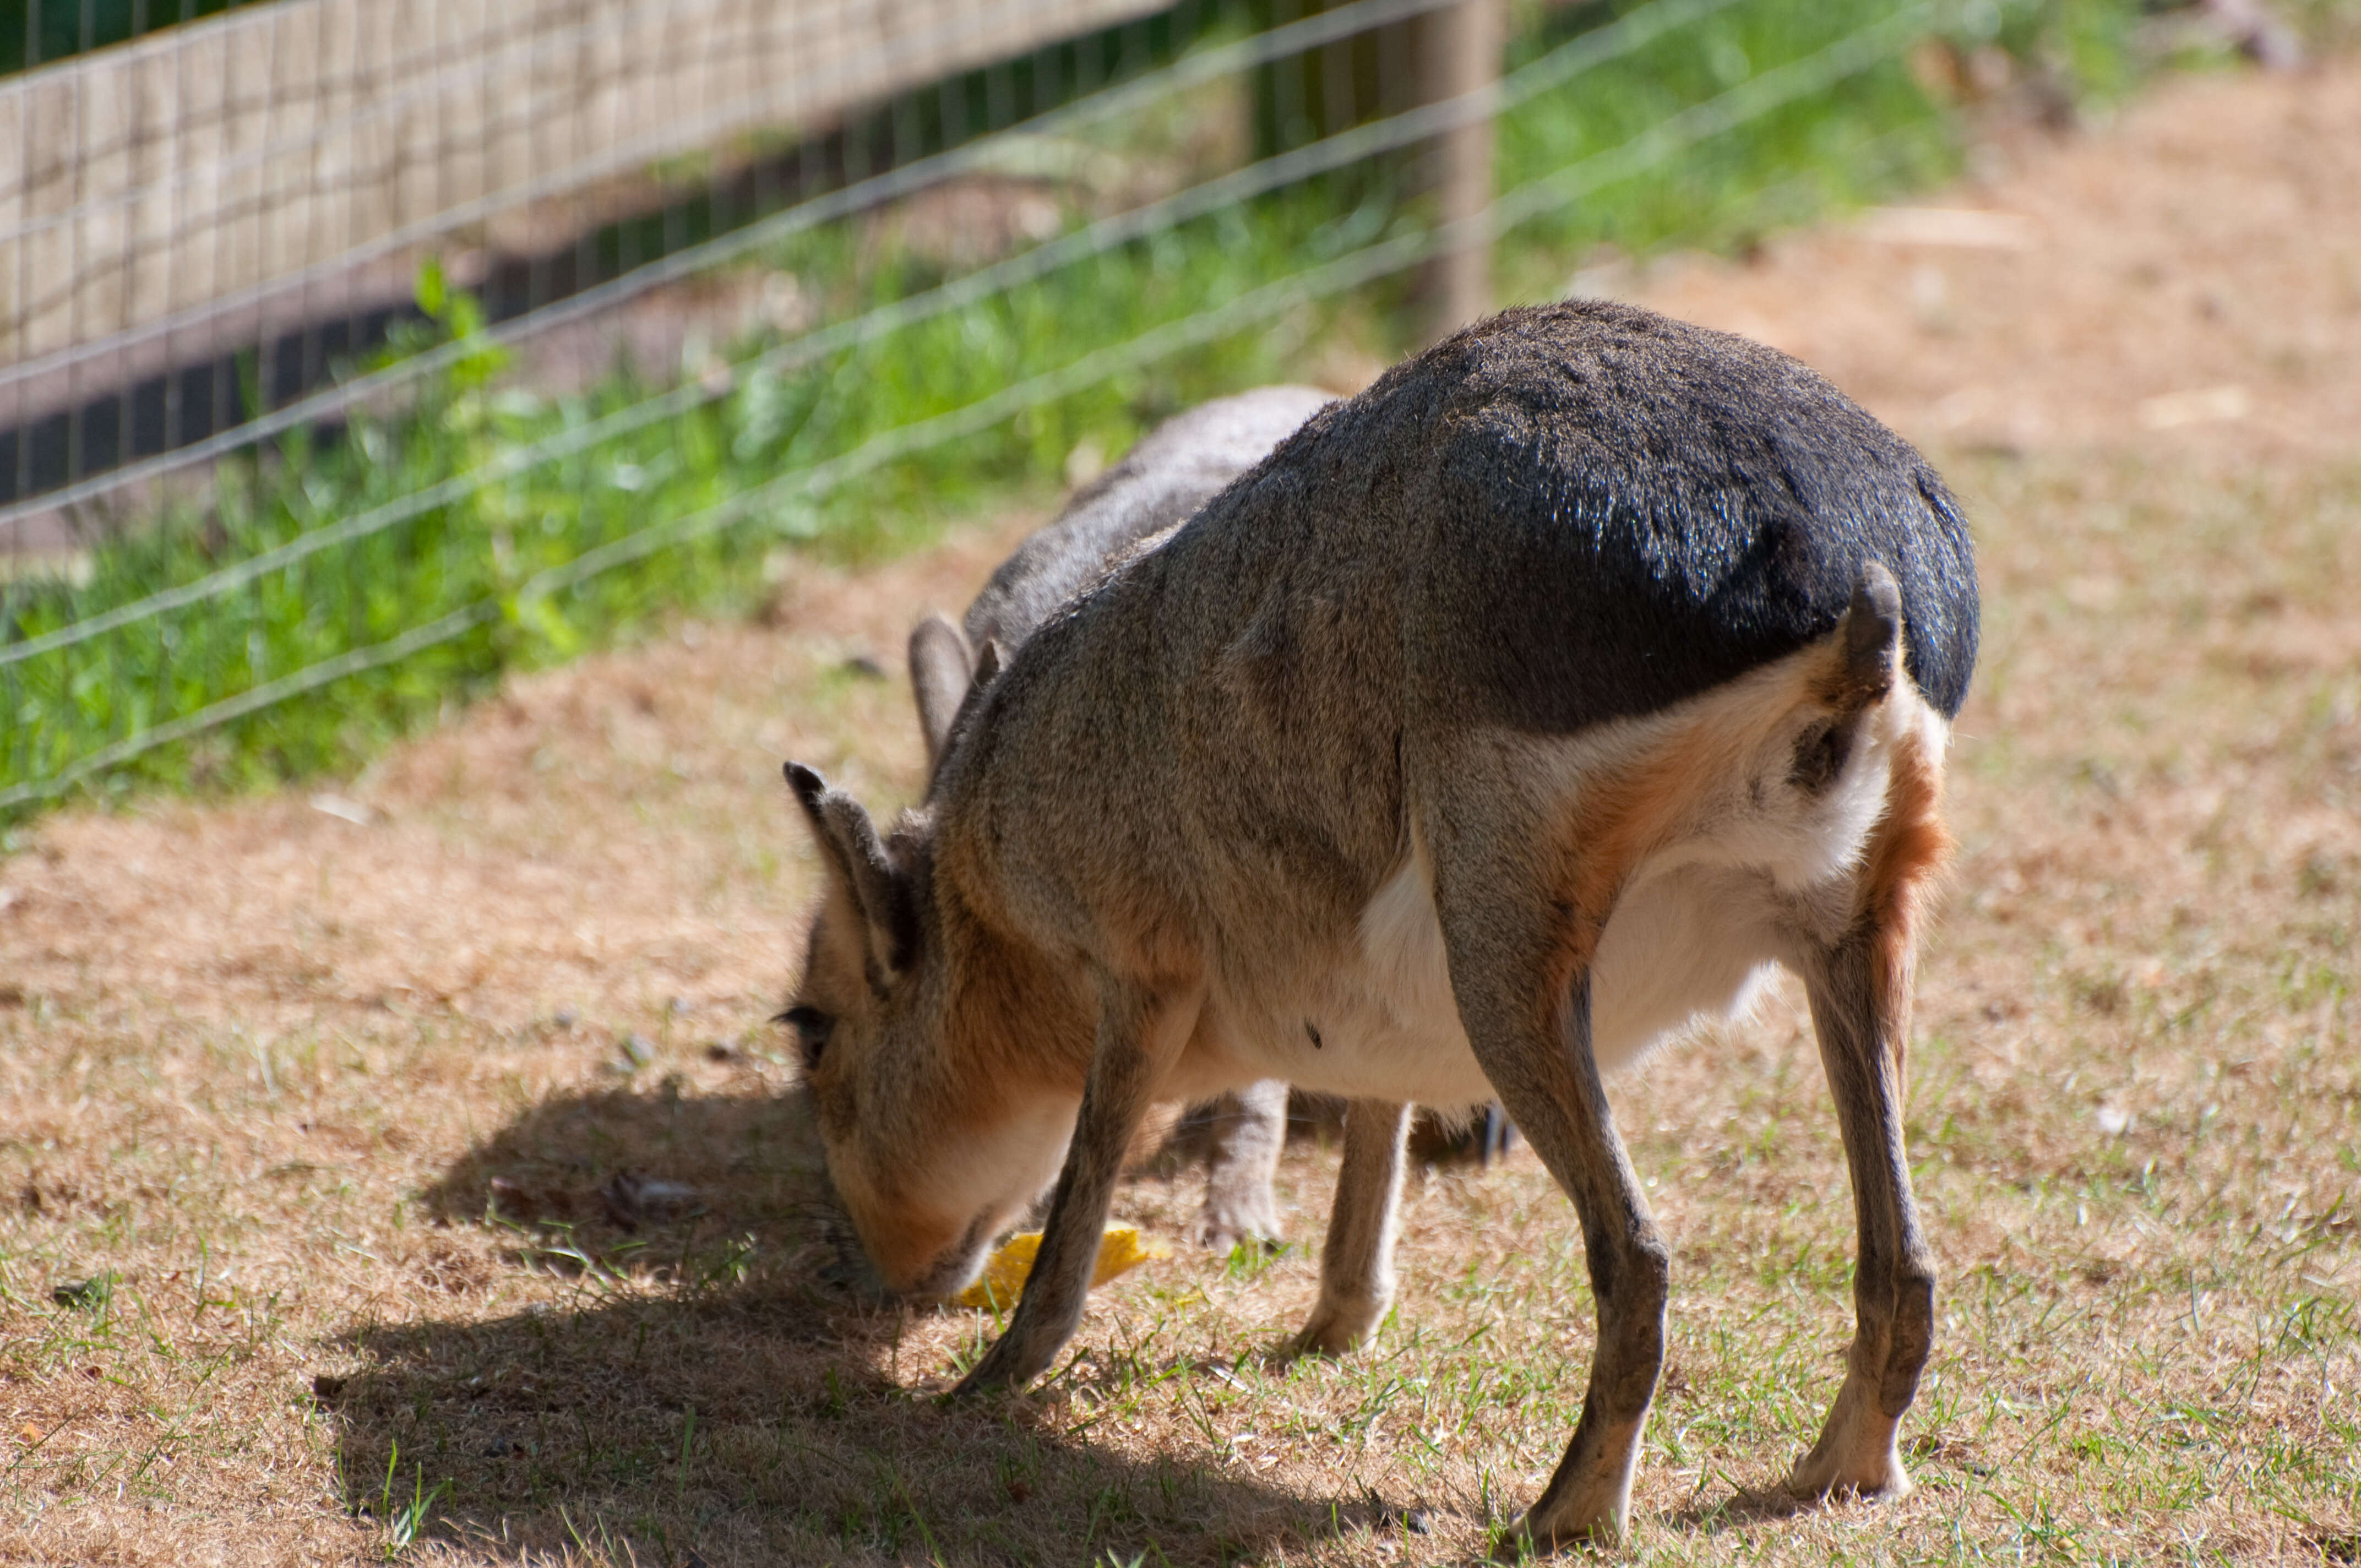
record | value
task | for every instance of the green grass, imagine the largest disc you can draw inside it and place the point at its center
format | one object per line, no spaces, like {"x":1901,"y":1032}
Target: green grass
{"x":477,"y":556}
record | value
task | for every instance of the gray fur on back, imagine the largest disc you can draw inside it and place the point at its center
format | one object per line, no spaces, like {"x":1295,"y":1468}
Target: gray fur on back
{"x":1563,"y":516}
{"x":1175,"y":468}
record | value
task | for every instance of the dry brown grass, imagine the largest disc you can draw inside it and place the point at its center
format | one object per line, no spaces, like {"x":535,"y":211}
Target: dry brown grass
{"x":263,"y":1065}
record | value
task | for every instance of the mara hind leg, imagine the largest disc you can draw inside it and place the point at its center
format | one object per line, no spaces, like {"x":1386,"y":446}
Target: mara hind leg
{"x":1519,"y":975}
{"x":1356,"y":1263}
{"x":1140,"y":1033}
{"x":1894,"y":1286}
{"x":1860,"y":989}
{"x":1568,"y":1123}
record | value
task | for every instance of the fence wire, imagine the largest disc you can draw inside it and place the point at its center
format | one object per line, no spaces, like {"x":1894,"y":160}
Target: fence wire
{"x":1552,"y":69}
{"x":566,"y":176}
{"x":868,"y":194}
{"x":43,"y":772}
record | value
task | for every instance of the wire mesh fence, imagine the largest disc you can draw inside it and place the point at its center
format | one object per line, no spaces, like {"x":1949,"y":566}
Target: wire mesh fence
{"x":389,"y":356}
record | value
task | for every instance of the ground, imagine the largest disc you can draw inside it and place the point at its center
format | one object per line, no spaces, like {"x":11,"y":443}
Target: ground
{"x":336,"y":1127}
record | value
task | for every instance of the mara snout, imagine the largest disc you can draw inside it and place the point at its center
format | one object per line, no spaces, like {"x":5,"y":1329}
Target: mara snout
{"x":1510,"y":718}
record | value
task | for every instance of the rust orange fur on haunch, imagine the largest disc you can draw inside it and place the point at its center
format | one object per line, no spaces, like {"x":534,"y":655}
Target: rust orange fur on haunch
{"x":1506,"y":719}
{"x":1907,"y":856}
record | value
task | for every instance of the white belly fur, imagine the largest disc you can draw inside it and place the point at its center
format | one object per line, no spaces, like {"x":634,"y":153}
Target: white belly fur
{"x":1692,"y":938}
{"x":1682,"y":946}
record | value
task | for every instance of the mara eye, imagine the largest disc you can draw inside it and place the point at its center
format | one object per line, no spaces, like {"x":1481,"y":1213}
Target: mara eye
{"x":812,"y":1029}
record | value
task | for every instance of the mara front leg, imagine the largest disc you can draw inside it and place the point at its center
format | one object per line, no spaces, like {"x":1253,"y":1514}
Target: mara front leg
{"x":1357,"y":1265}
{"x":1249,"y":1134}
{"x":1860,"y":991}
{"x":1140,"y":1033}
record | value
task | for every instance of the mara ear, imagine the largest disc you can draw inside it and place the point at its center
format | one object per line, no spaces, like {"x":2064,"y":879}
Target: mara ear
{"x":941,"y":667}
{"x":979,"y":682}
{"x":858,"y":860}
{"x":988,"y":664}
{"x":1871,"y":639}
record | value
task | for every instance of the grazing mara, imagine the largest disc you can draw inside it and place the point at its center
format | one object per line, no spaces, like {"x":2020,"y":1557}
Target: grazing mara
{"x":1509,"y":717}
{"x":1174,"y":469}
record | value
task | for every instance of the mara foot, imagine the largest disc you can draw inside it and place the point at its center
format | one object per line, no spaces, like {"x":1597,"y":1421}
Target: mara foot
{"x":1855,"y":1456}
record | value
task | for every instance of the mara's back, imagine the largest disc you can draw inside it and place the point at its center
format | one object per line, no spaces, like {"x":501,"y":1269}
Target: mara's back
{"x":1565,"y":516}
{"x":1579,"y":512}
{"x":1172,"y":471}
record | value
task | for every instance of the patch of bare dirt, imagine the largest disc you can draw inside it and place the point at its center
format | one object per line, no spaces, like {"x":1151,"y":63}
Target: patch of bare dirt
{"x":2190,"y":274}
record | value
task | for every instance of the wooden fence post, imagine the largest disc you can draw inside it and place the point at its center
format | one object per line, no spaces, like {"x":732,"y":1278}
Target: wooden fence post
{"x":1461,"y":55}
{"x":1427,"y":58}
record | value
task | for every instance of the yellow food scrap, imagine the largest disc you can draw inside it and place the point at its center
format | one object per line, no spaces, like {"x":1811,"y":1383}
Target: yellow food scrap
{"x":1011,"y":1263}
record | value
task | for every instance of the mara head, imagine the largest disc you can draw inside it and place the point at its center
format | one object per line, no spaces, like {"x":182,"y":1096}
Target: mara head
{"x":933,"y":1148}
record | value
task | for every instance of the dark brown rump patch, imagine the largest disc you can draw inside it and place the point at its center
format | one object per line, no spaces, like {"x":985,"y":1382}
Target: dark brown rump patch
{"x":1634,"y":511}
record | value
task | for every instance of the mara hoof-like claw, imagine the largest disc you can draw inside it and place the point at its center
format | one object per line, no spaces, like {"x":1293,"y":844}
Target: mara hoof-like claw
{"x":1333,"y":1332}
{"x":1855,"y":1456}
{"x":1522,"y":1540}
{"x":1221,"y":1230}
{"x":997,"y":1373}
{"x":1809,"y":1482}
{"x":1828,"y":1473}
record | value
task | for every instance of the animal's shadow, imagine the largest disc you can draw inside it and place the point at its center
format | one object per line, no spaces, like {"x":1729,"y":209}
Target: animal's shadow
{"x":727,"y":1406}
